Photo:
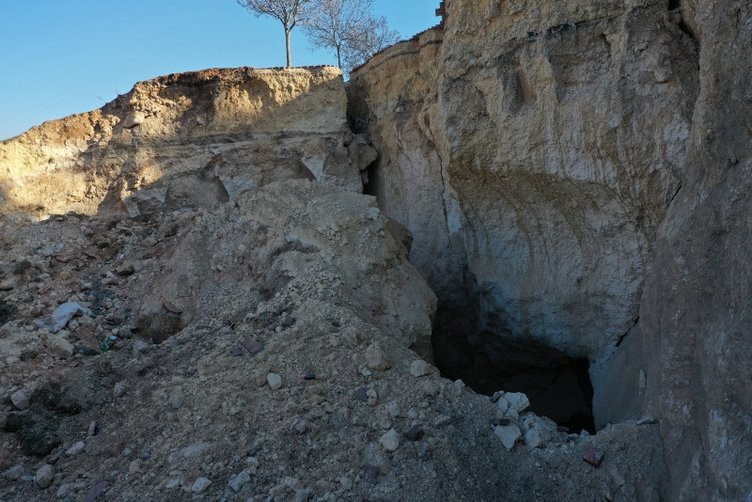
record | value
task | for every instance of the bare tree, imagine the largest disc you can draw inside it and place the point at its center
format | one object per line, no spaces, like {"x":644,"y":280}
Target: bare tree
{"x":288,"y":12}
{"x":368,"y":37}
{"x":349,"y":29}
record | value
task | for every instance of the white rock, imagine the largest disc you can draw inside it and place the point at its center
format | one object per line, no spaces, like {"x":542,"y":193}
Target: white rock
{"x":274,"y":381}
{"x":76,"y":449}
{"x":62,"y":315}
{"x":200,"y":485}
{"x":44,"y":476}
{"x":390,"y":441}
{"x":376,"y":359}
{"x":517,"y":401}
{"x":508,"y":434}
{"x":20,"y":399}
{"x":420,"y":368}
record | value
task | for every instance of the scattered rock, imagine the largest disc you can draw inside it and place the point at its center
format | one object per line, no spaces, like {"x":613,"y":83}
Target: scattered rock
{"x":508,"y":434}
{"x":376,"y":359}
{"x":537,"y":429}
{"x":372,"y":397}
{"x":274,"y":381}
{"x":390,"y":441}
{"x":371,"y":473}
{"x":303,"y":495}
{"x":97,"y":490}
{"x":361,"y":394}
{"x":14,"y":473}
{"x":252,"y":345}
{"x":62,"y":315}
{"x":420,"y":368}
{"x":593,"y":456}
{"x":239,"y":480}
{"x":200,"y":485}
{"x":118,"y":390}
{"x":59,"y":346}
{"x":511,"y":404}
{"x":415,"y":433}
{"x":125,"y":270}
{"x":63,"y":490}
{"x":20,"y":399}
{"x":300,"y":425}
{"x":44,"y":476}
{"x":134,"y":467}
{"x":189,"y":452}
{"x":75,"y":449}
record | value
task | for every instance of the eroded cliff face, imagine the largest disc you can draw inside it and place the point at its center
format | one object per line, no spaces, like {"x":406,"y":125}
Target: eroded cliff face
{"x":188,"y":140}
{"x":549,"y":154}
{"x":570,"y":178}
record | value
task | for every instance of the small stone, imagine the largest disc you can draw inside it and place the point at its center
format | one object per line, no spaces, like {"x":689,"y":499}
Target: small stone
{"x":200,"y":485}
{"x":415,"y":433}
{"x":274,"y":381}
{"x":288,"y":321}
{"x":517,"y":401}
{"x":442,"y":420}
{"x":300,"y":425}
{"x":371,"y":473}
{"x":119,"y":389}
{"x":372,"y":397}
{"x":62,"y":315}
{"x":420,"y":368}
{"x":97,"y":490}
{"x":390,"y":441}
{"x":376,"y":358}
{"x":508,"y":435}
{"x":361,"y":394}
{"x":63,"y":490}
{"x":252,"y":345}
{"x":75,"y":449}
{"x":134,"y":466}
{"x":303,"y":495}
{"x":125,"y":270}
{"x":44,"y":476}
{"x":393,"y":409}
{"x":593,"y":456}
{"x":59,"y":346}
{"x":309,"y":376}
{"x":537,"y":429}
{"x":14,"y":473}
{"x":20,"y":399}
{"x":239,"y":480}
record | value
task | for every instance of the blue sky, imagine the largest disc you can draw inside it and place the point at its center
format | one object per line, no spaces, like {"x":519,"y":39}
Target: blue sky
{"x":61,"y":57}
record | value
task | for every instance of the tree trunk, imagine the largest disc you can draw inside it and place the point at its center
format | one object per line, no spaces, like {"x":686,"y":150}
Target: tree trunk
{"x":288,"y":33}
{"x":339,"y":57}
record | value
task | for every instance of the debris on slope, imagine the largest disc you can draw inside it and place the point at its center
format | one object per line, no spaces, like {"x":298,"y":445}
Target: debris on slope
{"x":292,"y":377}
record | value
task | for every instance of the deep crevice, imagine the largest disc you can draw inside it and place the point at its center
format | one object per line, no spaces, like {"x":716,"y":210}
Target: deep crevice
{"x":557,"y":385}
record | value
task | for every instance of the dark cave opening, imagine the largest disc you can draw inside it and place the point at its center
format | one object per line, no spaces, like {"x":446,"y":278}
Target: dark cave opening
{"x":557,"y":385}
